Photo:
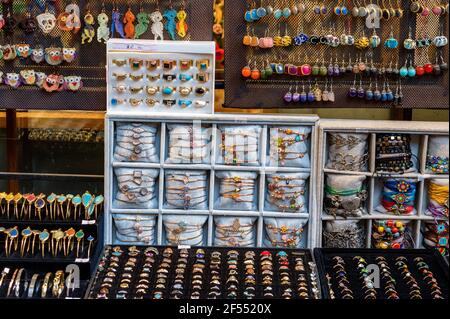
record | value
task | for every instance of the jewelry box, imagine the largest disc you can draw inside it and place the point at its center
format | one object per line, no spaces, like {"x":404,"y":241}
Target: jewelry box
{"x":211,"y":202}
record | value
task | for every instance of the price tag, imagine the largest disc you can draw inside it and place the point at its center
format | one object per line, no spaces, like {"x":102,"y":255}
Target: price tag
{"x":82,"y":260}
{"x":88,"y":222}
{"x":184,"y":247}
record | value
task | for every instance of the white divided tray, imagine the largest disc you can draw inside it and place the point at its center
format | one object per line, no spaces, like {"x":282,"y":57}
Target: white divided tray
{"x":145,"y":51}
{"x":260,"y":213}
{"x":420,"y":133}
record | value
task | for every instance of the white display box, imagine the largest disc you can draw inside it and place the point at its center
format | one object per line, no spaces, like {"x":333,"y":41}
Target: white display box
{"x":420,"y":133}
{"x":144,"y":51}
{"x":213,"y":121}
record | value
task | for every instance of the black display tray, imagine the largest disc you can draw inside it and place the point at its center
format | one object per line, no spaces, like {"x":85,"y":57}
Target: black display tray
{"x":437,"y":263}
{"x":41,"y":268}
{"x":277,"y":289}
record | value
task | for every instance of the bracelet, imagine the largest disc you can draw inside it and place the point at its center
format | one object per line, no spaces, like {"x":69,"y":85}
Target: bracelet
{"x":32,"y":285}
{"x":185,"y":180}
{"x":185,"y":189}
{"x":5,"y":273}
{"x":17,"y":283}
{"x":237,"y":198}
{"x":292,"y":207}
{"x":45,"y":285}
{"x":58,"y":284}
{"x":11,"y":283}
{"x":340,"y":141}
{"x":344,"y":193}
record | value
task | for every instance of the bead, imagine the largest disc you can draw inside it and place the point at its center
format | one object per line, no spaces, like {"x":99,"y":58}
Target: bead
{"x":428,"y":68}
{"x":246,"y":72}
{"x":420,"y":70}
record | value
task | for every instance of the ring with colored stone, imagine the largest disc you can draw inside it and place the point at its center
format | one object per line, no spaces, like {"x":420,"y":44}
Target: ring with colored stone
{"x":136,"y":77}
{"x":136,"y":64}
{"x":168,"y":90}
{"x":202,"y":77}
{"x":184,"y":103}
{"x":169,"y":103}
{"x":115,"y":102}
{"x":186,"y":64}
{"x":169,"y":64}
{"x":169,"y":77}
{"x":201,"y":91}
{"x":185,"y":77}
{"x":203,"y":65}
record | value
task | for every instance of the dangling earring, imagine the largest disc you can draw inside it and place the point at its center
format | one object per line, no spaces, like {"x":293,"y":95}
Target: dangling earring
{"x":261,"y":11}
{"x":437,"y":67}
{"x":391,"y":42}
{"x":288,"y":96}
{"x":409,"y":43}
{"x":377,"y":93}
{"x":349,"y":68}
{"x":287,"y":12}
{"x":325,"y":92}
{"x":361,"y":91}
{"x":296,"y":95}
{"x":355,"y":10}
{"x":317,"y":93}
{"x":315,"y":69}
{"x":330,"y":68}
{"x":287,"y":39}
{"x":404,"y":69}
{"x":303,"y":95}
{"x":390,"y":95}
{"x":337,"y":70}
{"x":443,"y":65}
{"x":331,"y":95}
{"x":342,"y":68}
{"x":311,"y":95}
{"x":246,"y":70}
{"x":411,"y":69}
{"x":254,"y":40}
{"x":373,"y":69}
{"x":182,"y":26}
{"x":375,"y":40}
{"x":247,"y":38}
{"x":256,"y":73}
{"x":353,"y":92}
{"x":384,"y":96}
{"x":369,"y":92}
{"x":170,"y":25}
{"x":323,"y":71}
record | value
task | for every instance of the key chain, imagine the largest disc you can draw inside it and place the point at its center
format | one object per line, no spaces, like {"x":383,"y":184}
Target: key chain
{"x":157,"y":27}
{"x":88,"y":33}
{"x":143,"y":22}
{"x":182,"y":26}
{"x":170,"y":25}
{"x":116,"y":25}
{"x":129,"y":20}
{"x":103,"y":31}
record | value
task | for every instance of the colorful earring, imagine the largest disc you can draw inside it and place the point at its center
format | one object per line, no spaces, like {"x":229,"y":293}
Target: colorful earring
{"x":129,"y":20}
{"x":353,"y":92}
{"x":116,"y":24}
{"x":361,"y":92}
{"x":246,"y":70}
{"x":288,"y":96}
{"x":369,"y":92}
{"x":391,"y":42}
{"x":303,"y":95}
{"x":182,"y":26}
{"x":88,"y":33}
{"x":375,"y":40}
{"x":103,"y":32}
{"x":170,"y":25}
{"x":143,"y":23}
{"x":311,"y":95}
{"x":377,"y":94}
{"x":409,"y":43}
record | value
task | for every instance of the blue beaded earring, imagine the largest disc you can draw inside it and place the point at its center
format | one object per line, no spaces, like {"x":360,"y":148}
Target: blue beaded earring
{"x":261,"y":12}
{"x":311,"y":95}
{"x":377,"y":94}
{"x":384,"y":96}
{"x":403,"y":72}
{"x":353,"y":92}
{"x":288,"y":96}
{"x":389,"y":93}
{"x":391,"y":42}
{"x":361,"y":91}
{"x":303,"y":95}
{"x":369,"y":92}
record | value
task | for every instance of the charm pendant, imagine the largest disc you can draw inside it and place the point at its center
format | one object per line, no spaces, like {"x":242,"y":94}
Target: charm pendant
{"x":103,"y":32}
{"x":182,"y":26}
{"x":69,"y":54}
{"x":9,"y":52}
{"x":375,"y":40}
{"x":142,"y":25}
{"x":391,"y":42}
{"x":13,"y":80}
{"x":157,"y":27}
{"x":23,"y":50}
{"x":73,"y":83}
{"x":46,"y":22}
{"x":53,"y":56}
{"x":170,"y":15}
{"x":28,"y":77}
{"x":117,"y":25}
{"x":129,"y":20}
{"x":89,"y":30}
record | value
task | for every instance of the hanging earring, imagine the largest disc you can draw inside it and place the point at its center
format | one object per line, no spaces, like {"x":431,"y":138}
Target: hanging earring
{"x":325,"y":92}
{"x":323,"y":70}
{"x":404,"y":69}
{"x":269,"y":70}
{"x":384,"y":96}
{"x":311,"y":95}
{"x":170,"y":14}
{"x":399,"y":12}
{"x":375,"y":40}
{"x":361,"y":91}
{"x":389,"y":69}
{"x":296,"y":95}
{"x":103,"y":31}
{"x":317,"y":93}
{"x":399,"y":95}
{"x":287,"y":12}
{"x":256,"y":73}
{"x":411,"y":69}
{"x":337,"y":70}
{"x":373,"y":69}
{"x":409,"y":43}
{"x":391,"y":42}
{"x":353,"y":92}
{"x":443,"y":65}
{"x":342,"y":68}
{"x":369,"y":92}
{"x":88,"y":33}
{"x":315,"y":69}
{"x":116,"y":23}
{"x":254,"y":40}
{"x":377,"y":94}
{"x":303,"y":95}
{"x":331,"y":95}
{"x":330,"y":71}
{"x":390,"y":94}
{"x":301,"y":38}
{"x":261,"y":12}
{"x":288,"y":96}
{"x":428,"y":66}
{"x":129,"y":20}
{"x":355,"y":10}
{"x":246,"y":70}
{"x":349,"y":68}
{"x":278,"y":13}
{"x":287,"y":39}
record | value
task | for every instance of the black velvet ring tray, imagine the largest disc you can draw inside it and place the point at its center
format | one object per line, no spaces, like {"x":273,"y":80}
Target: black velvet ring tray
{"x":438,"y":266}
{"x":277,"y":289}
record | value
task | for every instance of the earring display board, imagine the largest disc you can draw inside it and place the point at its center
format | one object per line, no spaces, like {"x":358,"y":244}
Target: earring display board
{"x":328,"y":54}
{"x":57,"y":50}
{"x":374,"y":181}
{"x":161,"y":76}
{"x":210,"y":180}
{"x":402,"y":275}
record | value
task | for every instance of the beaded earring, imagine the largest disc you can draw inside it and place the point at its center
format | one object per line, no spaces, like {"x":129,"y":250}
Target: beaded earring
{"x":323,"y":70}
{"x":404,"y":69}
{"x":287,"y":39}
{"x":296,"y":95}
{"x":373,"y":68}
{"x":342,"y":68}
{"x":377,"y":94}
{"x":288,"y":96}
{"x":355,"y":10}
{"x":409,"y":43}
{"x":325,"y":92}
{"x":391,"y":42}
{"x":384,"y":96}
{"x":337,"y":70}
{"x":331,"y":95}
{"x":315,"y":69}
{"x":246,"y":70}
{"x":303,"y":95}
{"x":311,"y":95}
{"x":375,"y":40}
{"x":369,"y":92}
{"x":361,"y":92}
{"x":389,"y":93}
{"x":411,"y":69}
{"x":256,"y":73}
{"x":317,"y":93}
{"x":261,"y":12}
{"x":301,"y":38}
{"x":353,"y":92}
